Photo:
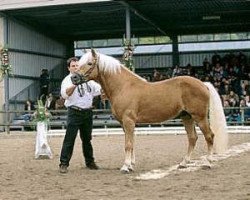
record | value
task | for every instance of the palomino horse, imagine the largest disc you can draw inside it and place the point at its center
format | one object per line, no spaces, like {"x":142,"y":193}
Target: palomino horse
{"x":134,"y":100}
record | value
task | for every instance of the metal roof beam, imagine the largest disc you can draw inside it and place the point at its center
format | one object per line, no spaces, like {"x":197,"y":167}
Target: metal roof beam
{"x":143,"y":17}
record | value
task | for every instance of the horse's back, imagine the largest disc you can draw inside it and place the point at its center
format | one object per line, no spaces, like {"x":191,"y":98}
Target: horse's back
{"x":183,"y":85}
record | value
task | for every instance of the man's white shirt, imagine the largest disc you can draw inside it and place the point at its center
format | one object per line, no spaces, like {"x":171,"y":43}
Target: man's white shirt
{"x":82,"y":96}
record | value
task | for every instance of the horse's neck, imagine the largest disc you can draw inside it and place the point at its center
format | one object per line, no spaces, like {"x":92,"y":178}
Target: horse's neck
{"x":113,"y":84}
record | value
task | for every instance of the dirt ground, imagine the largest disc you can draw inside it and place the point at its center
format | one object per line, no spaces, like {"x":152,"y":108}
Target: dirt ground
{"x":25,"y":178}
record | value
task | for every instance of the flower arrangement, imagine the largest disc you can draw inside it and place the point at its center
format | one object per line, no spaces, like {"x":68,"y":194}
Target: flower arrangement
{"x":127,"y":55}
{"x":5,"y":67}
{"x":41,"y":114}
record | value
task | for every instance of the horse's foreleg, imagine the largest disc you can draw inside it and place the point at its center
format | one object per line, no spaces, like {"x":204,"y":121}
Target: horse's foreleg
{"x":192,"y":138}
{"x":128,"y":127}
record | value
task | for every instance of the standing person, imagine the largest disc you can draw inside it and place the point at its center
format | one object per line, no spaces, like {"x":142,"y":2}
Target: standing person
{"x":44,"y":84}
{"x":78,"y":100}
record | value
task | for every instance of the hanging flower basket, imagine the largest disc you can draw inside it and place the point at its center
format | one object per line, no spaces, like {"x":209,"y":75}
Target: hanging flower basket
{"x":128,"y":54}
{"x":5,"y":67}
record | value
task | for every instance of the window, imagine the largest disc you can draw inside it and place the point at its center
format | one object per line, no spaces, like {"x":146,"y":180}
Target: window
{"x":146,"y":40}
{"x":162,"y":40}
{"x":206,"y":37}
{"x":188,"y":38}
{"x":238,"y":36}
{"x":224,"y":36}
{"x":114,"y":42}
{"x":82,"y":44}
{"x":100,"y":43}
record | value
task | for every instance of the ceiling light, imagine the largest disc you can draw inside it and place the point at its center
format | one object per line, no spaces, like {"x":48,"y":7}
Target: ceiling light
{"x":214,"y":17}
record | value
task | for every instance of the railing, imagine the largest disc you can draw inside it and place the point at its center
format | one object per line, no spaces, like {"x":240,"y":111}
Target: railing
{"x":105,"y":119}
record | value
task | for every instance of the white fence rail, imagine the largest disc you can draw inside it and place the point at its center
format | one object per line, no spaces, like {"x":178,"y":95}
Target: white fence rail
{"x":149,"y":131}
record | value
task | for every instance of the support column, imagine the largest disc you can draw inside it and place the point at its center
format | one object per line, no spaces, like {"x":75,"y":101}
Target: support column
{"x":2,"y":97}
{"x":6,"y":78}
{"x":175,"y":50}
{"x":128,"y":28}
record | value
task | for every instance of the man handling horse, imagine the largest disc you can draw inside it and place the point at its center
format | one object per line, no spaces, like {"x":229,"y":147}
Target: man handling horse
{"x":78,"y":100}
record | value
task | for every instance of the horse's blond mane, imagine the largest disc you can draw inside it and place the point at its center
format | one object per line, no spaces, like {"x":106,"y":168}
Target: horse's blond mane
{"x":107,"y":64}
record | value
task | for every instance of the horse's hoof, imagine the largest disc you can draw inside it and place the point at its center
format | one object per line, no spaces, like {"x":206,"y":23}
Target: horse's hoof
{"x":206,"y":167}
{"x":125,"y":169}
{"x":180,"y":166}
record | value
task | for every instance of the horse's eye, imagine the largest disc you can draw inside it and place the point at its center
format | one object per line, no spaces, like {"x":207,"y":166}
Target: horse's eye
{"x":89,"y":63}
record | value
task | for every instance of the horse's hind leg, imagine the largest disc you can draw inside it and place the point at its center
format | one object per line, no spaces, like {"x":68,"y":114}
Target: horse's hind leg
{"x":192,"y":138}
{"x":208,"y":134}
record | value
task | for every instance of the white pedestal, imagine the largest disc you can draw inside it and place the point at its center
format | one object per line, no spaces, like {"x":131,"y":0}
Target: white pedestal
{"x":42,"y":147}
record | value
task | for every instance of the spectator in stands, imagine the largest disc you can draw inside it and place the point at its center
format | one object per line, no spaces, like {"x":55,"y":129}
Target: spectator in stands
{"x":242,"y":110}
{"x":231,"y":72}
{"x":242,"y":103}
{"x":225,"y":70}
{"x":50,"y":103}
{"x":247,"y":109}
{"x":242,"y":59}
{"x":29,"y":106}
{"x":176,"y":71}
{"x":44,"y":84}
{"x":243,"y":72}
{"x":191,"y":70}
{"x":247,"y":98}
{"x":218,"y":71}
{"x":78,"y":100}
{"x":105,"y":104}
{"x":224,"y":87}
{"x":60,"y":103}
{"x":227,"y":110}
{"x":233,"y":99}
{"x":156,"y":75}
{"x":206,"y":63}
{"x":236,"y":85}
{"x":216,"y":58}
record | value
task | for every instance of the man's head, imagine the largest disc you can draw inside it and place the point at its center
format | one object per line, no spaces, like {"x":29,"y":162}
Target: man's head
{"x":72,"y":64}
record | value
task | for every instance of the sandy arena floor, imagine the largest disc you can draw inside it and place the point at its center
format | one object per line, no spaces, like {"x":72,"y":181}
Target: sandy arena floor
{"x":24,"y":178}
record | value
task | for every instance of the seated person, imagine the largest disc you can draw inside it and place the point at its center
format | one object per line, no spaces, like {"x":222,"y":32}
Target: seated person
{"x":29,"y":106}
{"x":50,"y":102}
{"x":59,"y":105}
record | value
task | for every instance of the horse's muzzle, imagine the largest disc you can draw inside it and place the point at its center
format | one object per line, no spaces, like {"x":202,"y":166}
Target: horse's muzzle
{"x":78,"y":79}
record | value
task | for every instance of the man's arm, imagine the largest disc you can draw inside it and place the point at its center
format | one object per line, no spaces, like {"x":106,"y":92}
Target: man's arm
{"x":67,"y":88}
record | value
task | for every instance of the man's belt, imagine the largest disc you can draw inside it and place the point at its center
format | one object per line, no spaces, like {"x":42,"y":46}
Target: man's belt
{"x":79,"y":109}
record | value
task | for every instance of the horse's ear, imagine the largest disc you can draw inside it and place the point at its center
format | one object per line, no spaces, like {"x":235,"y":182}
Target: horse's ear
{"x":94,"y":54}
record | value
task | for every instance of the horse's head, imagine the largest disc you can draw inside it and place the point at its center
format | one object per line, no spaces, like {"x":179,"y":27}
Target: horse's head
{"x":88,"y":68}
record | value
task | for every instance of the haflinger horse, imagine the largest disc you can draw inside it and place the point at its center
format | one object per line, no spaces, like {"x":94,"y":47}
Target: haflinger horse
{"x":134,"y":100}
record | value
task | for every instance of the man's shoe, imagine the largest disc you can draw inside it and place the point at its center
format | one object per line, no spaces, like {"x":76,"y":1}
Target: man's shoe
{"x":63,"y":169}
{"x":92,"y":166}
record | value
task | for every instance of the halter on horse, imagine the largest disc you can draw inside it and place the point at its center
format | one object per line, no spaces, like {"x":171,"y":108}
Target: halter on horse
{"x":135,"y":100}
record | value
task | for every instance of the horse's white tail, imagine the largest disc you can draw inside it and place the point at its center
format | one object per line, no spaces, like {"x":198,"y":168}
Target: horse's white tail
{"x":217,"y":120}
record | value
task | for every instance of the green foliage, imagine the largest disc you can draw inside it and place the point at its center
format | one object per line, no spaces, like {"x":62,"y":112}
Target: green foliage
{"x":41,"y":114}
